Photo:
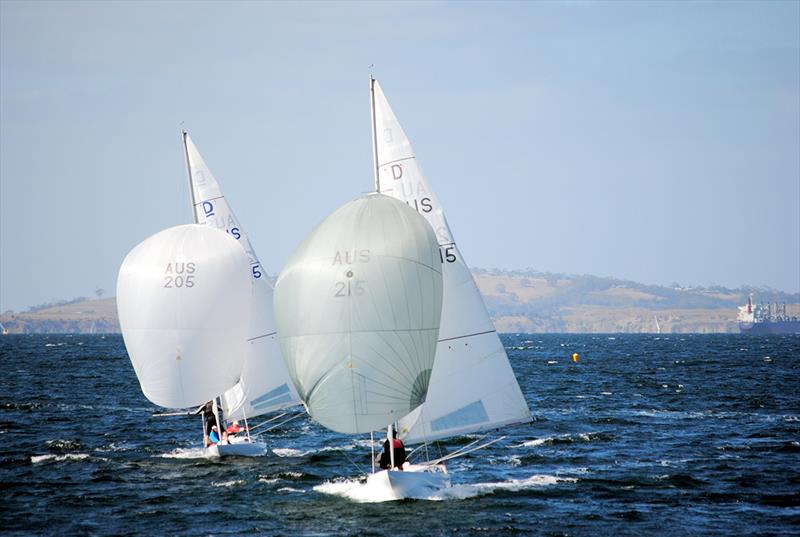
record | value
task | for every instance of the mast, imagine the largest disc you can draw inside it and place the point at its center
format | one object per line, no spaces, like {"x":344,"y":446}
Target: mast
{"x":189,"y":172}
{"x":374,"y":134}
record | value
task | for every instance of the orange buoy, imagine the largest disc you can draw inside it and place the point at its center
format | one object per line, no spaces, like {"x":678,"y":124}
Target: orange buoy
{"x":576,"y":357}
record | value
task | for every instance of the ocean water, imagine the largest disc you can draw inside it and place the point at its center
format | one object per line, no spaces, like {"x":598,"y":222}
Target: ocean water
{"x":646,"y":435}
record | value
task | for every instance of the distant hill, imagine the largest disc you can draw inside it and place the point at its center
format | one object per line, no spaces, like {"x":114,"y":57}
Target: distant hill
{"x":79,"y":316}
{"x":518,"y":301}
{"x":532,"y":301}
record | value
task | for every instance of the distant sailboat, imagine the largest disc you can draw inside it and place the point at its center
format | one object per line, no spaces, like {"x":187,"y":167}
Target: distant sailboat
{"x":472,"y":386}
{"x":358,"y":307}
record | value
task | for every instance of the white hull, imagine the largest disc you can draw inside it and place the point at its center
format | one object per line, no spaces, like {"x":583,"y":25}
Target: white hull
{"x":415,"y":482}
{"x":237,"y":449}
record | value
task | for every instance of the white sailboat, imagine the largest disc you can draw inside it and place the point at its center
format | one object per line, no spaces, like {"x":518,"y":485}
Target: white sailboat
{"x":358,"y":307}
{"x":264,"y":385}
{"x":180,"y":347}
{"x":472,"y":386}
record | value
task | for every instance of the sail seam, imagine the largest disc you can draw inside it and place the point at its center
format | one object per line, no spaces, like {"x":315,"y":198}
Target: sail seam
{"x":393,"y":161}
{"x":467,"y":335}
{"x":370,"y":331}
{"x":210,"y":199}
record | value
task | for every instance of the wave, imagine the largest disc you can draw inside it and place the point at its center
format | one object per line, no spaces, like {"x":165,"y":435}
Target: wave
{"x":63,"y":445}
{"x":228,"y":484}
{"x":566,"y":439}
{"x":290,"y":489}
{"x":280,"y":476}
{"x":294,"y":452}
{"x":461,"y":492}
{"x":187,"y":453}
{"x":36,"y":459}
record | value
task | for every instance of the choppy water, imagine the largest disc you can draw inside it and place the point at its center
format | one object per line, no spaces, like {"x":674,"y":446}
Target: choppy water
{"x":668,"y":435}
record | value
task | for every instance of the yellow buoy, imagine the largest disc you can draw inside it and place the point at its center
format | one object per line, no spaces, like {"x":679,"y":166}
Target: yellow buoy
{"x":576,"y":357}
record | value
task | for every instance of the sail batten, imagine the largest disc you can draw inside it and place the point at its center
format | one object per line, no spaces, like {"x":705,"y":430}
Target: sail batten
{"x":263,"y":369}
{"x":471,"y":366}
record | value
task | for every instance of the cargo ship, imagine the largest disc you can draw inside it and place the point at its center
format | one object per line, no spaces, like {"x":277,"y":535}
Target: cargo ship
{"x":766,"y":319}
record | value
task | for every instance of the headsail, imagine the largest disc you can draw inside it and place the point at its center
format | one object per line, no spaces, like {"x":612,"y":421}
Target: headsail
{"x":472,"y":386}
{"x":182,"y":299}
{"x":265,"y":384}
{"x":358,"y":307}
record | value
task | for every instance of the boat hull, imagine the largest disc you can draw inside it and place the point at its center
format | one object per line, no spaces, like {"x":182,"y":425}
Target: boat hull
{"x":770,"y":327}
{"x":238,"y":449}
{"x":417,"y":483}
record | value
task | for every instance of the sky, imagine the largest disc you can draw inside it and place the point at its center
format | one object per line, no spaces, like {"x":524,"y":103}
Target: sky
{"x":652,"y":141}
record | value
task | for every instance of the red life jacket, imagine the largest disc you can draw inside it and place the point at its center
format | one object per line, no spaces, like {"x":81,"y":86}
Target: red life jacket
{"x":397,"y":444}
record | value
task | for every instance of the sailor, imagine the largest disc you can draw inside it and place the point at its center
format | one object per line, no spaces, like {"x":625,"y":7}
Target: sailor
{"x":233,"y":428}
{"x":399,"y":454}
{"x":214,"y":436}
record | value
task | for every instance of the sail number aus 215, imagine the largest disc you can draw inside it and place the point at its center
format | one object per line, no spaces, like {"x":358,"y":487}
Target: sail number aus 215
{"x":349,"y":287}
{"x":447,"y":254}
{"x":179,"y":275}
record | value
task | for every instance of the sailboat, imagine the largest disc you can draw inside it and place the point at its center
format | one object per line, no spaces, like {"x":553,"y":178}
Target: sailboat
{"x":223,"y":349}
{"x":182,"y":297}
{"x":472,"y":385}
{"x":358,"y":307}
{"x":264,"y":385}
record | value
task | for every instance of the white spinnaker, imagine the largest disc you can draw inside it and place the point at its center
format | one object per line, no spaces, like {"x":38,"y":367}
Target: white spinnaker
{"x":472,"y":386}
{"x":265,"y":385}
{"x":358,"y":307}
{"x":182,"y":299}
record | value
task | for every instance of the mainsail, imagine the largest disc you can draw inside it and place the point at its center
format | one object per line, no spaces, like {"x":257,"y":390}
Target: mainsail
{"x":264,"y":385}
{"x":472,"y":386}
{"x":358,"y":307}
{"x":182,"y":299}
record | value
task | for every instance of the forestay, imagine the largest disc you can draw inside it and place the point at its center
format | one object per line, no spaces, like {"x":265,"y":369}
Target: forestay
{"x":182,"y":301}
{"x":472,"y":386}
{"x":265,"y":384}
{"x":358,"y":307}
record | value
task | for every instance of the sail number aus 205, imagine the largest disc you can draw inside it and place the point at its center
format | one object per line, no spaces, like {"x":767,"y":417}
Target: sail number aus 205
{"x":179,"y":275}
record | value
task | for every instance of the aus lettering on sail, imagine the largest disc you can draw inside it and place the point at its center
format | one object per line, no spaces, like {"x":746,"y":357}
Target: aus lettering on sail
{"x":407,"y":188}
{"x":220,"y":216}
{"x":210,"y":216}
{"x":404,"y":182}
{"x":349,"y":285}
{"x":179,"y":274}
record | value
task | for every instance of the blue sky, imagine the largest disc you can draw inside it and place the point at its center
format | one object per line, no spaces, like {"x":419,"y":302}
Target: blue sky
{"x":657,"y":142}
